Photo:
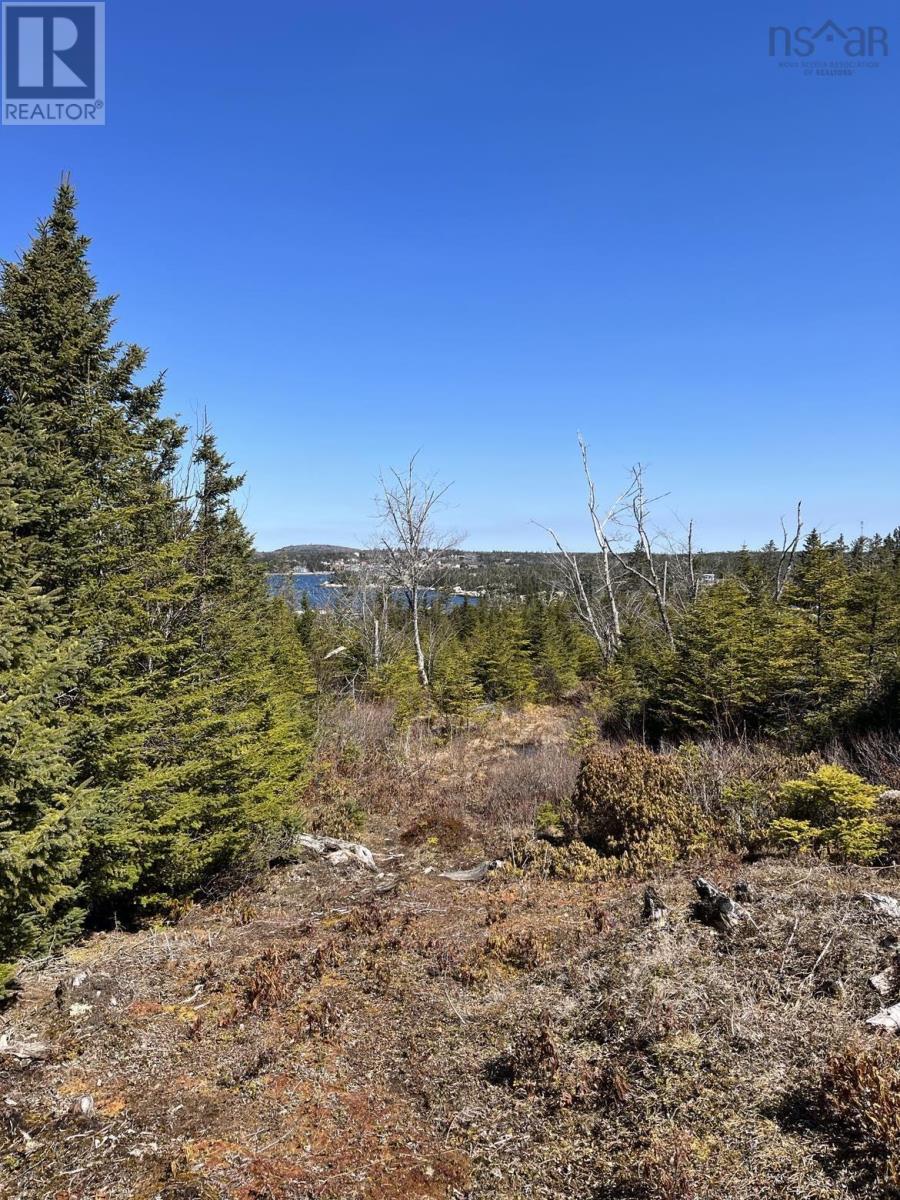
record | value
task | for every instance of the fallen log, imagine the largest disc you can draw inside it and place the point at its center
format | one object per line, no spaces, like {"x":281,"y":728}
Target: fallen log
{"x":26,"y":1051}
{"x":474,"y":874}
{"x":887,"y":1018}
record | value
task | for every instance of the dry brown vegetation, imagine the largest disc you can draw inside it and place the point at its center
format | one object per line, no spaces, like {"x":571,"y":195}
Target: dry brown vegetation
{"x":312,"y":1035}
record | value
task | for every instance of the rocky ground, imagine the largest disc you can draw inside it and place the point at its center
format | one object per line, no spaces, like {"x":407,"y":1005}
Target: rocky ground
{"x":331,"y":1032}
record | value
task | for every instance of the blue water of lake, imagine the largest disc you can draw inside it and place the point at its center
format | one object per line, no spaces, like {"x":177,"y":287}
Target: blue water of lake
{"x":310,"y":586}
{"x":315,"y":587}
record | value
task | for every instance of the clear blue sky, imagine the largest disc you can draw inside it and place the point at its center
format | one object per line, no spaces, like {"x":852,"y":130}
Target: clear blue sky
{"x":355,"y":228}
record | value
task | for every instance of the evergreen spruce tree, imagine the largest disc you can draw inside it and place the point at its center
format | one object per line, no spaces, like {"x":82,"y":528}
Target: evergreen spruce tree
{"x":206,"y":708}
{"x":397,"y":680}
{"x":822,"y":669}
{"x":153,"y":701}
{"x":718,"y":679}
{"x":39,"y":835}
{"x":752,"y":572}
{"x":96,"y":454}
{"x":555,"y":654}
{"x":101,"y":440}
{"x":454,"y":686}
{"x":873,"y":610}
{"x":500,"y":655}
{"x":255,"y":660}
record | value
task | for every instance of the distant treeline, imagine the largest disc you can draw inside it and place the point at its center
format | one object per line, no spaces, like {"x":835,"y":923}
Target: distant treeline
{"x":506,"y":573}
{"x":804,"y":658}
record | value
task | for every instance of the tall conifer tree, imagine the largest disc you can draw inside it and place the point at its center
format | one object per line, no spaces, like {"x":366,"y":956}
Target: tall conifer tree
{"x":39,"y":835}
{"x":158,"y":688}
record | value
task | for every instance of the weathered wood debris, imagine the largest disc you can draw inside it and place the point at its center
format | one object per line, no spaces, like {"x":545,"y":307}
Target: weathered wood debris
{"x":23,"y":1050}
{"x":716,"y":906}
{"x":654,"y":910}
{"x":887,"y":1018}
{"x":336,"y":851}
{"x":887,"y":906}
{"x":474,"y":874}
{"x":884,"y":981}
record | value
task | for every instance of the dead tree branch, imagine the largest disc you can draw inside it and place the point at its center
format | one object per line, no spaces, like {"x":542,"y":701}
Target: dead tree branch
{"x":413,"y":549}
{"x":788,"y":553}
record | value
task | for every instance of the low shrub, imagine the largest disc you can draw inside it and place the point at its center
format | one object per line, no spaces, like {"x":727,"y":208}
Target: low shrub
{"x":876,"y":756}
{"x":531,"y":1063}
{"x":831,"y":810}
{"x":735,"y":786}
{"x":530,"y":790}
{"x":436,"y":827}
{"x":574,"y":861}
{"x":333,"y":809}
{"x":355,"y":731}
{"x":797,"y":836}
{"x":827,"y":795}
{"x":631,"y":804}
{"x":547,"y":819}
{"x":861,"y":1090}
{"x":519,"y":949}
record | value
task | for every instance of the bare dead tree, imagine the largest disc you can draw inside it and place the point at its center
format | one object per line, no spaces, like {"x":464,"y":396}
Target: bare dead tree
{"x":681,"y":580}
{"x":648,"y":572}
{"x":595,"y":620}
{"x":627,"y":518}
{"x":692,"y":574}
{"x":601,"y":526}
{"x":602,"y":620}
{"x":364,"y":603}
{"x":411,"y":543}
{"x":789,"y":546}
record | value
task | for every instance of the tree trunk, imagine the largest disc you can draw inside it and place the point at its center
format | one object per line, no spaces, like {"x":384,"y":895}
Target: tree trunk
{"x":420,"y":657}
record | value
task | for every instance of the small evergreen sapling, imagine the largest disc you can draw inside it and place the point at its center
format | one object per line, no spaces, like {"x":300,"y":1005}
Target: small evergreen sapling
{"x":832,"y":810}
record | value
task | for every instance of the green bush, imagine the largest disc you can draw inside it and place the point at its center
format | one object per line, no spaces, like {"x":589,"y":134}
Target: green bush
{"x":398,"y":682}
{"x":789,"y":834}
{"x":735,"y":785}
{"x":630,"y":803}
{"x":855,"y":839}
{"x":830,"y":810}
{"x":547,"y":818}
